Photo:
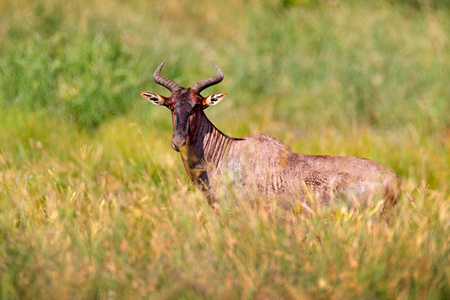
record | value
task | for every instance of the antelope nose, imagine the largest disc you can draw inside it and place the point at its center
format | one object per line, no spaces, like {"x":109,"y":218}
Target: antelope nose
{"x":177,"y":143}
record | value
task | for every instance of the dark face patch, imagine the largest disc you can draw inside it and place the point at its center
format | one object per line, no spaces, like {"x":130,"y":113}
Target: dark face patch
{"x":183,"y":104}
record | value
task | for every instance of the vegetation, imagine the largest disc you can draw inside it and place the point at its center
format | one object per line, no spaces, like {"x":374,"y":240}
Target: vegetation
{"x":94,"y":204}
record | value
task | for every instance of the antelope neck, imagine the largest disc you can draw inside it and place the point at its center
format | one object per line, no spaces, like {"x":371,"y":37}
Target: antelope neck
{"x":207,"y":143}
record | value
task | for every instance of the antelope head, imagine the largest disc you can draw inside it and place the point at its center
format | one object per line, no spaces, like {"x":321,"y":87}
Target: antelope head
{"x":185,"y":104}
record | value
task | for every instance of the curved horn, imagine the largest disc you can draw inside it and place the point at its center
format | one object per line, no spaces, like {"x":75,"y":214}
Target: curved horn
{"x":205,"y":83}
{"x":165,"y":82}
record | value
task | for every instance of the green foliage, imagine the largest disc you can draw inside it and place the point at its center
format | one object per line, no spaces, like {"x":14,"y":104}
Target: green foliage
{"x":110,"y":213}
{"x":342,"y":57}
{"x":50,"y":65}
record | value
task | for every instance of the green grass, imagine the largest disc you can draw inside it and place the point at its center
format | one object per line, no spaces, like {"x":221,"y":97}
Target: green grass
{"x":95,"y":204}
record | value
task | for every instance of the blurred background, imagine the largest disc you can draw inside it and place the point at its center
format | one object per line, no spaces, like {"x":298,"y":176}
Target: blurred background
{"x":382,"y":64}
{"x":292,"y":68}
{"x":364,"y":78}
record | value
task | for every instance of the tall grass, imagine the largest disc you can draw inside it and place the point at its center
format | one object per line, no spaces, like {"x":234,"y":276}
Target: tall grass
{"x":101,"y":220}
{"x":94,"y":204}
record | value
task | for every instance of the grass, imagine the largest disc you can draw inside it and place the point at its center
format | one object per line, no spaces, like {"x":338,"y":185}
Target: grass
{"x":95,"y":204}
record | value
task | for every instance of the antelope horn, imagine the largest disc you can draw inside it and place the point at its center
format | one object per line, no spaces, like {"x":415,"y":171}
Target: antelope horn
{"x":205,"y":83}
{"x":165,"y":82}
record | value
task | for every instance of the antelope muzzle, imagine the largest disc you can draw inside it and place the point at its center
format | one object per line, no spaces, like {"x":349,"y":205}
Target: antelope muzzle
{"x":178,"y":143}
{"x":180,"y":136}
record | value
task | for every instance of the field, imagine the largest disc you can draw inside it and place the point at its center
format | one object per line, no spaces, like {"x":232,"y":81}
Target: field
{"x":94,"y":203}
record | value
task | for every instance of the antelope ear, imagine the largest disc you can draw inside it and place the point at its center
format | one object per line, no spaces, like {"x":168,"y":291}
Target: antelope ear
{"x":213,"y":99}
{"x":154,"y":98}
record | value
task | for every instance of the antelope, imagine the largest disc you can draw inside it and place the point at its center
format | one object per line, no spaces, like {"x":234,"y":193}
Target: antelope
{"x":260,"y":162}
